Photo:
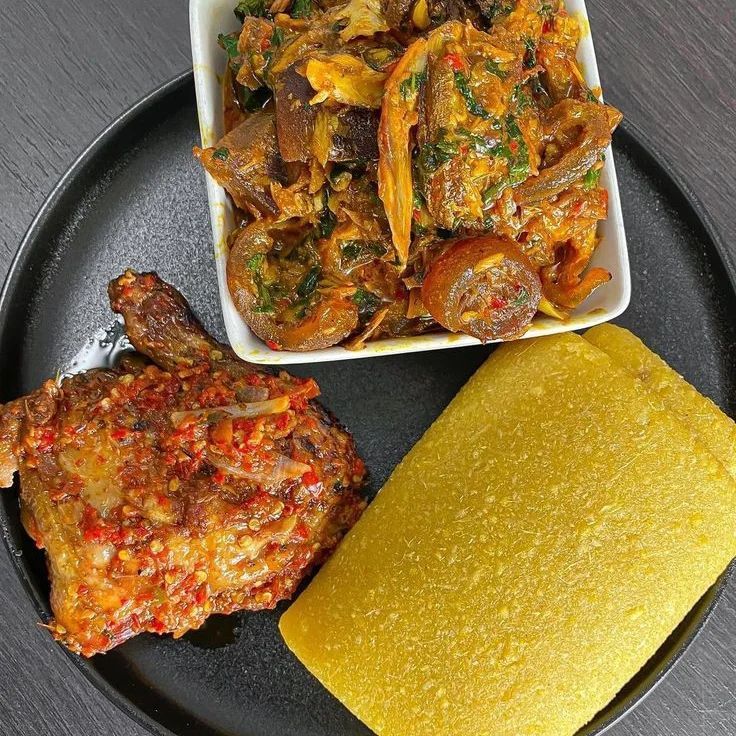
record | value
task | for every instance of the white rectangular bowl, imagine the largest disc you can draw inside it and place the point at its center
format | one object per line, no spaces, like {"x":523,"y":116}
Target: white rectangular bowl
{"x":207,"y":19}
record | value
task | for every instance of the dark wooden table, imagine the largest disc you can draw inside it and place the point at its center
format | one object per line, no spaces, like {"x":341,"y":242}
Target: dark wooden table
{"x":69,"y":67}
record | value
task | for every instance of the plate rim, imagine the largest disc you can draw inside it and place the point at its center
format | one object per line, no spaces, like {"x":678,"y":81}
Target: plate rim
{"x":87,"y":156}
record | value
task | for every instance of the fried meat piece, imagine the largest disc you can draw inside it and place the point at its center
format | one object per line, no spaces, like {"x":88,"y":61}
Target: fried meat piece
{"x":176,"y":486}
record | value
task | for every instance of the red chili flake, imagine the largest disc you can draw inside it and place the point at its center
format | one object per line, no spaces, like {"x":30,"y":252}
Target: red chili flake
{"x":273,"y":345}
{"x":464,"y":149}
{"x":201,"y":595}
{"x":514,"y":146}
{"x":282,"y":422}
{"x":253,"y":380}
{"x":310,"y":478}
{"x":157,"y":625}
{"x":301,"y":531}
{"x":82,"y":589}
{"x":577,"y":208}
{"x":119,"y":433}
{"x":455,"y":62}
{"x":547,"y":26}
{"x":417,"y":215}
{"x":219,"y":477}
{"x":265,"y":43}
{"x":46,"y":440}
{"x":298,"y":403}
{"x":498,"y":303}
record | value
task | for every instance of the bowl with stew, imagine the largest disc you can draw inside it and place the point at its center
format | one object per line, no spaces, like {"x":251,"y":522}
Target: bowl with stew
{"x":213,"y":19}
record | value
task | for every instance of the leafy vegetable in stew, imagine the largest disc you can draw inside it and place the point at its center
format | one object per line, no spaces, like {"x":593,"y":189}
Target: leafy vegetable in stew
{"x":408,"y":165}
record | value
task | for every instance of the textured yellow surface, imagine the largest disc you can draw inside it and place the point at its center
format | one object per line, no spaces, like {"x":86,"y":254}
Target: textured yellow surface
{"x":698,"y":413}
{"x":525,"y":559}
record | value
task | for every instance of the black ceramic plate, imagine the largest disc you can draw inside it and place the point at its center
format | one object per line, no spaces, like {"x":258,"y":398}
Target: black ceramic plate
{"x":137,"y":198}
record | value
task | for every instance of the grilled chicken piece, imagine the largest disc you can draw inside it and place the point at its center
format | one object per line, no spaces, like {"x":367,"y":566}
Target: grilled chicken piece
{"x":166,"y":491}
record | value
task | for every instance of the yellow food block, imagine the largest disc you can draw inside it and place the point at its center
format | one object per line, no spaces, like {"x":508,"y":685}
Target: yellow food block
{"x":525,"y":559}
{"x":698,"y":413}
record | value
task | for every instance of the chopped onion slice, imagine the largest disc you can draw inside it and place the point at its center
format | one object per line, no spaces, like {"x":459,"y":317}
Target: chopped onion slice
{"x":283,"y":469}
{"x":237,"y":411}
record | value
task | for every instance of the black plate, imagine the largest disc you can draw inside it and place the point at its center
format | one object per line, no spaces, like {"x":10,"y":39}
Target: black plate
{"x":137,"y":198}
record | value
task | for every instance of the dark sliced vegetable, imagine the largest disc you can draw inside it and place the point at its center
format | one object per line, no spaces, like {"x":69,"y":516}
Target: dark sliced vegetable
{"x":246,"y":161}
{"x":253,"y":100}
{"x":594,"y":126}
{"x":356,"y":135}
{"x":294,"y":115}
{"x":484,"y":286}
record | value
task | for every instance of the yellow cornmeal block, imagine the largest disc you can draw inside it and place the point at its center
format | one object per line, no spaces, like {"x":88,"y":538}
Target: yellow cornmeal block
{"x":698,"y":413}
{"x":525,"y":559}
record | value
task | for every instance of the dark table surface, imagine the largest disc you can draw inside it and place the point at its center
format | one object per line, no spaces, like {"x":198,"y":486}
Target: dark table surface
{"x":68,"y":67}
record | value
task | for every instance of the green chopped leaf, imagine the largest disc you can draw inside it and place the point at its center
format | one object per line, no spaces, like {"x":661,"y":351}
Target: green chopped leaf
{"x":591,"y":97}
{"x":434,"y":155}
{"x":483,"y":146}
{"x":513,"y":129}
{"x":591,"y":179}
{"x":367,"y":302}
{"x":411,"y":84}
{"x":547,"y":11}
{"x":264,"y":302}
{"x":519,"y":162}
{"x":230,"y":44}
{"x":474,"y":107}
{"x":494,"y":68}
{"x":221,"y":154}
{"x":530,"y":57}
{"x":354,"y":252}
{"x":309,"y":283}
{"x":249,"y":7}
{"x":327,"y":222}
{"x":277,"y":37}
{"x":520,"y":98}
{"x":493,"y":193}
{"x":521,"y":298}
{"x":518,"y":170}
{"x":498,"y":8}
{"x":301,"y":8}
{"x":339,"y":25}
{"x":255,"y":262}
